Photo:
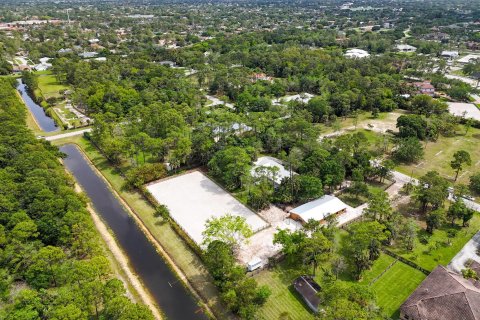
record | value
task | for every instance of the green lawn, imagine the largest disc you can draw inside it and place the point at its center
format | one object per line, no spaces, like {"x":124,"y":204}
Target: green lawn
{"x":391,"y":289}
{"x":439,"y":154}
{"x":284,"y":303}
{"x":373,"y":187}
{"x":438,"y":250}
{"x":395,"y":285}
{"x":378,"y":266}
{"x":49,"y":85}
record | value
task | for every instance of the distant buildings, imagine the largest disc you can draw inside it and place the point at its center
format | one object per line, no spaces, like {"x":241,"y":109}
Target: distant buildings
{"x":449,"y":54}
{"x":171,"y":64}
{"x":64,"y":51}
{"x":303,"y":97}
{"x":43,"y":65}
{"x":424,"y":87}
{"x":356,"y":53}
{"x":14,"y":25}
{"x":472,"y":45}
{"x":88,"y":55}
{"x":443,"y":295}
{"x":437,"y":36}
{"x":405,"y":48}
{"x":261,"y":76}
{"x":469,"y":58}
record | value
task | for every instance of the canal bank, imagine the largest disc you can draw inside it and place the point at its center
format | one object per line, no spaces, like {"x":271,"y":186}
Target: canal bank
{"x":43,"y":121}
{"x":168,"y":291}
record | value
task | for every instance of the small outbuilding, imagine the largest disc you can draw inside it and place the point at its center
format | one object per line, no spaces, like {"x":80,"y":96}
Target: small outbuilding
{"x":307,"y":288}
{"x":319,"y":209}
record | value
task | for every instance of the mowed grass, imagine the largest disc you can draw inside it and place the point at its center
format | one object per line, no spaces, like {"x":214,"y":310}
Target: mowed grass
{"x":177,"y":249}
{"x":378,"y":267}
{"x":49,"y":85}
{"x":284,"y":303}
{"x":440,"y":249}
{"x":391,"y":289}
{"x":394,"y":287}
{"x":439,"y":154}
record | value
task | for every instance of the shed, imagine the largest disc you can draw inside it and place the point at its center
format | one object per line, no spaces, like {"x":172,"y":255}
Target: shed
{"x":308,"y":289}
{"x":318,"y":209}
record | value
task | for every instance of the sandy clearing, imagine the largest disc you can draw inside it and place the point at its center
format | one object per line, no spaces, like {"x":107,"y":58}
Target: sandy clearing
{"x":192,"y":198}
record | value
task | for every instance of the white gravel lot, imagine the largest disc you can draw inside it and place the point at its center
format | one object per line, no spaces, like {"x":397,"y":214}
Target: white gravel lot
{"x":193,"y":198}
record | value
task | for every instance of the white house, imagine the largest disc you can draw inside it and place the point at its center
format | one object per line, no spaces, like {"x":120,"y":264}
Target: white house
{"x":469,"y":58}
{"x":43,"y":65}
{"x":301,"y":97}
{"x":271,"y":163}
{"x":356,"y":53}
{"x":318,"y":209}
{"x":450,"y":54}
{"x":405,"y":48}
{"x":88,"y":55}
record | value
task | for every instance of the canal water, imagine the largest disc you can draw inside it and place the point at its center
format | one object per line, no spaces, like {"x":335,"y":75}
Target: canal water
{"x":44,"y":122}
{"x":175,"y":301}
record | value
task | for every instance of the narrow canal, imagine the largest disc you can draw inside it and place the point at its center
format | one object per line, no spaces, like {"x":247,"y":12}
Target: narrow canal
{"x":45,"y":123}
{"x":175,"y":301}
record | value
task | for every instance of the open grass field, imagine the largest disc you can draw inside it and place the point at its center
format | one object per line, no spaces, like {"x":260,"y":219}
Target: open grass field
{"x":177,"y":249}
{"x":439,"y":154}
{"x":440,"y":249}
{"x":49,"y":85}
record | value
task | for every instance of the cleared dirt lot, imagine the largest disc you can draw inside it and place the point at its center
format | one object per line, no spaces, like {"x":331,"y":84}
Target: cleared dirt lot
{"x":193,"y":198}
{"x":260,"y":245}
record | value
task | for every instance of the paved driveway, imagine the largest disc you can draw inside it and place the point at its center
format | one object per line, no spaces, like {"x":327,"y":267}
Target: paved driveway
{"x":469,"y":251}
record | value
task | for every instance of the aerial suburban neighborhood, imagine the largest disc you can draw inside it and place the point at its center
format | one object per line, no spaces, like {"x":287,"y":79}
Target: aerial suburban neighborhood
{"x":251,"y":159}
